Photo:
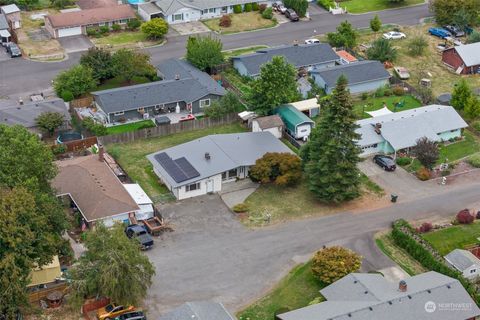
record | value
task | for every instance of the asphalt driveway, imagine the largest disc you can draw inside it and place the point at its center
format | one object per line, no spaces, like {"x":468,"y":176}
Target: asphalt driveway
{"x":75,"y":43}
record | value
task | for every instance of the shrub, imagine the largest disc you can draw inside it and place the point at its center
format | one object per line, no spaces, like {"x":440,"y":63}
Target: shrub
{"x":478,"y":215}
{"x":134,"y":24}
{"x":465,"y":217}
{"x":300,"y":6}
{"x":104,"y":29}
{"x":67,"y":96}
{"x":240,"y":207}
{"x":423,"y":174}
{"x":247,"y":7}
{"x":476,"y":125}
{"x":59,"y":149}
{"x":474,"y":160}
{"x":327,"y":4}
{"x":267,"y":13}
{"x":155,"y":28}
{"x":364,"y":96}
{"x":426,"y":152}
{"x":404,"y":161}
{"x":398,"y":91}
{"x":95,"y":128}
{"x":425,"y":227}
{"x":382,"y":50}
{"x":388,"y":92}
{"x":333,"y":263}
{"x":92,"y":32}
{"x":380,"y":92}
{"x":116,"y":27}
{"x":416,"y":46}
{"x":255,"y":6}
{"x":225,"y":21}
{"x":279,"y":168}
{"x":262,"y":7}
{"x":237,"y":8}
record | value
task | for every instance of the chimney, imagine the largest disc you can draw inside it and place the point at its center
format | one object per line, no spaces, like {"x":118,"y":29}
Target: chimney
{"x":378,"y":127}
{"x":101,"y":152}
{"x":402,"y":286}
{"x":177,"y":76}
{"x":20,"y":101}
{"x":207,"y":155}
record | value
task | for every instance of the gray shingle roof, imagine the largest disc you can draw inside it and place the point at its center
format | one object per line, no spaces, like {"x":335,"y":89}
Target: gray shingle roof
{"x":192,"y":85}
{"x":199,"y":310}
{"x":358,"y":72}
{"x":171,"y":6}
{"x":470,"y":53}
{"x":402,"y":129}
{"x":227,"y":151}
{"x":462,"y":259}
{"x":149,"y":7}
{"x":26,"y":114}
{"x":298,"y":55}
{"x":3,"y":22}
{"x":372,"y":297}
{"x":267,"y":122}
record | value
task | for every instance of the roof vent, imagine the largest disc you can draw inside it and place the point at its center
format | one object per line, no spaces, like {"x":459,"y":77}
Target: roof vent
{"x":378,"y":127}
{"x":402,"y":286}
{"x":207,"y":155}
{"x":177,"y":76}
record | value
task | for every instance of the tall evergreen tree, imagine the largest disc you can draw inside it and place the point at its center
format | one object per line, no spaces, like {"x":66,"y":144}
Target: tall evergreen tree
{"x":331,"y":156}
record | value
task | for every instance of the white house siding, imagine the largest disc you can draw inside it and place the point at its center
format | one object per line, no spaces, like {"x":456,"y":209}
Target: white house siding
{"x":472,"y":272}
{"x":217,"y":186}
{"x":363,"y":87}
{"x":188,"y":15}
{"x":277,"y":131}
{"x":110,"y":221}
{"x":445,"y":136}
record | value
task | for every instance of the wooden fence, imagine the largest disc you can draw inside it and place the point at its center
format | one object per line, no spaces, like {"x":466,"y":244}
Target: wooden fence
{"x":82,"y":144}
{"x":93,"y":305}
{"x":36,"y":296}
{"x":165,"y":130}
{"x":82,"y":102}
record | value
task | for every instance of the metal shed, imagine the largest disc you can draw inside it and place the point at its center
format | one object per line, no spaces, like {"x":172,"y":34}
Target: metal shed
{"x":297,"y":124}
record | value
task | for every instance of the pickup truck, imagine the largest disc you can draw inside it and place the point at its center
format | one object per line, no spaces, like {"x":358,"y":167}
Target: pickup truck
{"x":439,"y":32}
{"x":140,"y":233}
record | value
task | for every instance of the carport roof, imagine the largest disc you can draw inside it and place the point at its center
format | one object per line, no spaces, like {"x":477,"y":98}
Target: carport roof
{"x":3,"y":22}
{"x":149,"y":7}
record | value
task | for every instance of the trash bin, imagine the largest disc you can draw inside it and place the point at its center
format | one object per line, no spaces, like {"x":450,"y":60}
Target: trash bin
{"x":393,"y":197}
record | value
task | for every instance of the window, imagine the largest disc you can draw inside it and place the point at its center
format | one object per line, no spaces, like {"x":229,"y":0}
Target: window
{"x":119,"y":113}
{"x":192,"y":187}
{"x":204,"y":103}
{"x":141,"y":110}
{"x":101,"y":24}
{"x":232,"y":173}
{"x":124,"y":21}
{"x":177,"y":17}
{"x":211,"y":10}
{"x":473,"y":270}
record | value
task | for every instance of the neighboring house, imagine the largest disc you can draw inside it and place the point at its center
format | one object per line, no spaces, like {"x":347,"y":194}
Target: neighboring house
{"x":465,"y":262}
{"x":184,"y":89}
{"x":345,"y":57}
{"x":302,"y":56}
{"x":44,"y":275}
{"x":297,"y":124}
{"x":427,"y":296}
{"x":272,"y":124}
{"x":12,"y":13}
{"x":203,"y":165}
{"x":310,"y":107}
{"x":392,"y":132}
{"x":76,"y":22}
{"x":95,"y":190}
{"x":464,"y":59}
{"x":363,"y":76}
{"x":5,"y":36}
{"x":304,"y":86}
{"x":179,"y":11}
{"x":198,"y":310}
{"x":142,"y":200}
{"x":91,"y":4}
{"x":25,"y":114}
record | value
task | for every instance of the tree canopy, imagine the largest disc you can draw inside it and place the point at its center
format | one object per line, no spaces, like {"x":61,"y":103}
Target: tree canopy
{"x":333,"y":263}
{"x":331,"y":155}
{"x":155,"y":28}
{"x":129,"y":64}
{"x":345,"y":36}
{"x":113,"y":266}
{"x":426,"y":152}
{"x":77,"y":80}
{"x":275,"y":85}
{"x":280,"y":168}
{"x":460,"y":95}
{"x":460,"y":12}
{"x":375,"y":24}
{"x":99,"y":61}
{"x":227,"y":104}
{"x":50,"y":121}
{"x":382,"y":50}
{"x":204,"y":52}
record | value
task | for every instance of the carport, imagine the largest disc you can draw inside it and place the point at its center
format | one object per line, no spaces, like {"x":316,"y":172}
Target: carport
{"x":5,"y":36}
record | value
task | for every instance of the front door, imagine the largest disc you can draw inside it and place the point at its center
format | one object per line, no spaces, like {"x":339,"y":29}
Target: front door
{"x":210,"y":186}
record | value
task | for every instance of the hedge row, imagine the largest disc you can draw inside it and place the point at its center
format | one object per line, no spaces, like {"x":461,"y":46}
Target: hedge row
{"x":408,"y":239}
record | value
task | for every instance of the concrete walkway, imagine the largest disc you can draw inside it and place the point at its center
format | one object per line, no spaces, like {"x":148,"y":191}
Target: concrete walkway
{"x":237,"y":192}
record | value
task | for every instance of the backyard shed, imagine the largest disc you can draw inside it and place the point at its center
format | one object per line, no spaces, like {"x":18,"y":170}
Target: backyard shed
{"x":310,"y":107}
{"x":45,"y":274}
{"x":272,"y":124}
{"x":297,"y":124}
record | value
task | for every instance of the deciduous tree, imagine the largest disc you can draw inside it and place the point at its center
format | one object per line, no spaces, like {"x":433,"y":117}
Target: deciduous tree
{"x":333,"y":263}
{"x":331,"y":155}
{"x":156,"y":28}
{"x":50,"y":121}
{"x":449,"y":12}
{"x":113,"y":266}
{"x":129,"y":64}
{"x":345,"y":36}
{"x":376,"y":24}
{"x":227,"y":104}
{"x":275,"y":85}
{"x":99,"y":61}
{"x":473,"y":37}
{"x":461,"y":94}
{"x":426,"y":152}
{"x":280,"y":168}
{"x":77,"y":80}
{"x":204,"y":52}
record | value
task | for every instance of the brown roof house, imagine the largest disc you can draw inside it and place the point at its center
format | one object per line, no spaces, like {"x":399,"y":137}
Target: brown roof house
{"x":95,"y":190}
{"x":12,"y":13}
{"x":76,"y":23}
{"x":272,"y":124}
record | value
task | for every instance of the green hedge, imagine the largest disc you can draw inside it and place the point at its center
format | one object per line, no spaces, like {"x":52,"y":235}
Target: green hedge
{"x":402,"y":236}
{"x":326,"y":3}
{"x":300,"y":6}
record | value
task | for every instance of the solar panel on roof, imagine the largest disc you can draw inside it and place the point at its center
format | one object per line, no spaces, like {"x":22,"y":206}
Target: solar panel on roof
{"x":187,"y":168}
{"x":180,"y":169}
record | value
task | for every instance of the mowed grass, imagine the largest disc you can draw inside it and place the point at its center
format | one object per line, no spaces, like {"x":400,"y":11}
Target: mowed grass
{"x":371,"y":104}
{"x":460,"y":149}
{"x":130,"y":126}
{"x":361,"y":6}
{"x":454,"y":237}
{"x":246,"y":21}
{"x":238,"y":52}
{"x":124,"y":38}
{"x":294,"y":291}
{"x":132,"y":156}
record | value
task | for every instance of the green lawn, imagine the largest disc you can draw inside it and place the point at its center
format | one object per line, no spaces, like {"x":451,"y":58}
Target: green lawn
{"x":454,"y":237}
{"x":118,"y":82}
{"x":132,"y":156}
{"x":372,"y":104}
{"x":241,"y":22}
{"x":361,"y":6}
{"x":469,"y":145}
{"x":238,"y":52}
{"x":294,"y":291}
{"x":130,"y":126}
{"x":386,"y":244}
{"x":124,"y":38}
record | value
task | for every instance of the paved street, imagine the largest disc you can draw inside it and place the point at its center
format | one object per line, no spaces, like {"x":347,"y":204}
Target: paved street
{"x":18,"y":76}
{"x":211,"y":256}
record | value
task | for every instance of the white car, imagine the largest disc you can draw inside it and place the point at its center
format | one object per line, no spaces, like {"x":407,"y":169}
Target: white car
{"x":312,"y":41}
{"x":394,"y":35}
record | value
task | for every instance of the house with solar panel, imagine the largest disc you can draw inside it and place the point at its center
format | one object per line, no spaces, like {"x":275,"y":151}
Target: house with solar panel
{"x":203,"y":165}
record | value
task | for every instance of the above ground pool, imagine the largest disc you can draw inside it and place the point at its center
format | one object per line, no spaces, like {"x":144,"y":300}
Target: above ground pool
{"x":69,"y":136}
{"x":136,"y":1}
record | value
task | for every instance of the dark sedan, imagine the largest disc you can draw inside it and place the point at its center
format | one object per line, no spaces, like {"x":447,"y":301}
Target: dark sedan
{"x":292,"y":15}
{"x":14,"y":50}
{"x":385,"y":162}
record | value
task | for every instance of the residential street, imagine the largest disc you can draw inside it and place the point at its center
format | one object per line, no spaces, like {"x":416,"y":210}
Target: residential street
{"x":212,"y":256}
{"x":20,"y":76}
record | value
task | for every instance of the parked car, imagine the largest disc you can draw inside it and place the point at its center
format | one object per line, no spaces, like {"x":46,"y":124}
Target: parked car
{"x":394,"y":35}
{"x":439,"y":32}
{"x":312,"y":41}
{"x":13,"y":50}
{"x":385,"y":162}
{"x":455,"y":31}
{"x":112,"y":310}
{"x":292,"y":15}
{"x":402,"y":73}
{"x":279,"y":7}
{"x":135,"y":315}
{"x":141,"y":234}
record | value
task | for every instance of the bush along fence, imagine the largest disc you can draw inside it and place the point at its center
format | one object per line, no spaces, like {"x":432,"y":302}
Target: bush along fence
{"x":165,"y":130}
{"x":408,"y":239}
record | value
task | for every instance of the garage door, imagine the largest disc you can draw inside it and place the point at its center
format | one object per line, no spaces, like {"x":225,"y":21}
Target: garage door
{"x":69,"y":32}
